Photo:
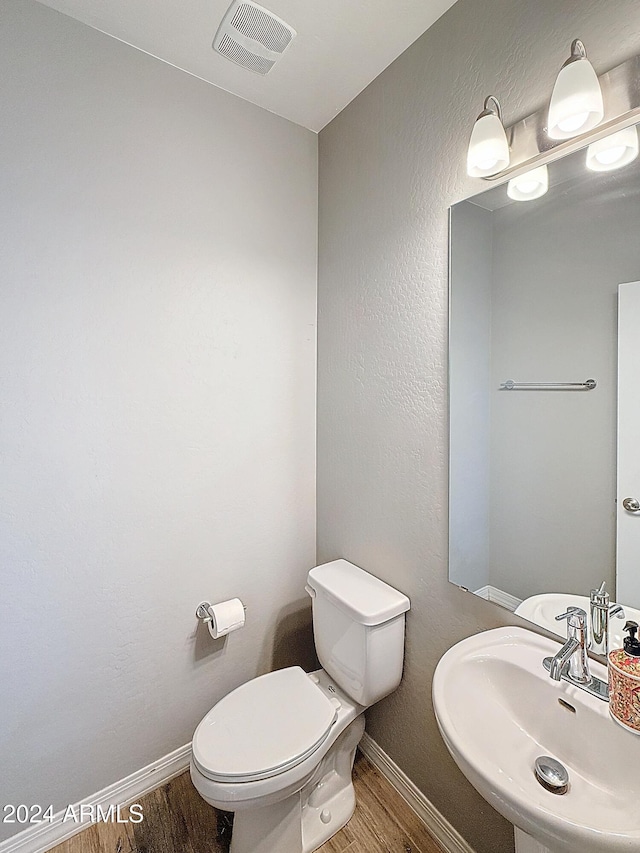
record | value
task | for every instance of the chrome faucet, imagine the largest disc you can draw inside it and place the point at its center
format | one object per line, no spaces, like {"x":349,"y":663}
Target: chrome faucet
{"x":573,"y":654}
{"x":571,"y":664}
{"x":599,"y":617}
{"x":559,"y":661}
{"x":601,"y":612}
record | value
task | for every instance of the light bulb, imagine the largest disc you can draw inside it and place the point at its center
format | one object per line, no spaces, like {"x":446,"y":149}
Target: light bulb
{"x":529,"y":186}
{"x":576,"y":102}
{"x":488,"y":151}
{"x":488,"y":165}
{"x":611,"y":156}
{"x":573,"y":123}
{"x":614,"y":151}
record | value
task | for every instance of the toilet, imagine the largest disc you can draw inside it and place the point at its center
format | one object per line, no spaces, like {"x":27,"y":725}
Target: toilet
{"x":278,"y":751}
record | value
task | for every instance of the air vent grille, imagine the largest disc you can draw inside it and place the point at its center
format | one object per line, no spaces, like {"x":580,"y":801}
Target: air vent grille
{"x":257,"y":24}
{"x":252,"y":36}
{"x":234,"y":51}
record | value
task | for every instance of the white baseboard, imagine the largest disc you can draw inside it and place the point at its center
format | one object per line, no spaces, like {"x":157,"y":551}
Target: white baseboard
{"x":41,"y":837}
{"x":498,"y":596}
{"x":449,"y":838}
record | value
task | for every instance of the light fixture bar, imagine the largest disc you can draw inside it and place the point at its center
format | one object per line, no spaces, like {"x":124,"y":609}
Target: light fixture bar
{"x":530,"y":145}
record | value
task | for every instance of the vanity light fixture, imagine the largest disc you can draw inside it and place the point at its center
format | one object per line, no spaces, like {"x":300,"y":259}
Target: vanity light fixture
{"x":488,"y":151}
{"x":614,"y":151}
{"x":574,"y":114}
{"x":576,"y":102}
{"x":531,"y":185}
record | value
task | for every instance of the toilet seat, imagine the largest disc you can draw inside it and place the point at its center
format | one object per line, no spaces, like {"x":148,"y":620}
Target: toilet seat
{"x":263,"y":728}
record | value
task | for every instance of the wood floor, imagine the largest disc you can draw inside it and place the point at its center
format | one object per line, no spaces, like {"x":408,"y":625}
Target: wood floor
{"x":177,"y":820}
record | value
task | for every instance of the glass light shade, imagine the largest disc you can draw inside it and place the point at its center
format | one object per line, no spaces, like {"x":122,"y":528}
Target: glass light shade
{"x":488,"y":147}
{"x":531,"y":185}
{"x":576,"y":102}
{"x":613,"y":152}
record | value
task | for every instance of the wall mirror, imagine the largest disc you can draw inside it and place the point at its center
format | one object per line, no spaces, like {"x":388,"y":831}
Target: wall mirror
{"x":544,"y":298}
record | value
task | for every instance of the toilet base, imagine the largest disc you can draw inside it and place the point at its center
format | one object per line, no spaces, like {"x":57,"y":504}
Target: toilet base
{"x":265,"y":830}
{"x":303,"y":821}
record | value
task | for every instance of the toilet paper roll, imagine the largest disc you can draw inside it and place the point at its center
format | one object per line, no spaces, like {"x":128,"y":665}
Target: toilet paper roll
{"x":226,"y":617}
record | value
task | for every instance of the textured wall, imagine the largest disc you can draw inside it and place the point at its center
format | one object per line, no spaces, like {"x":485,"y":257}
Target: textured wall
{"x":390,"y":165}
{"x":157,"y":429}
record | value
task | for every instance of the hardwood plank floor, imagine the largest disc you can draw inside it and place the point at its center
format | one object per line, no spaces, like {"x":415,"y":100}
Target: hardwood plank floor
{"x":177,"y":820}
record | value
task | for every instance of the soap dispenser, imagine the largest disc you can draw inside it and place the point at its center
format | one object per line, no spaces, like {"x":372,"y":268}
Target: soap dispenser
{"x":624,"y":681}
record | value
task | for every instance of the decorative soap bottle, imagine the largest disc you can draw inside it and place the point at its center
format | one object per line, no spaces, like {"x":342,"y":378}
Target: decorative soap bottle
{"x":624,"y":681}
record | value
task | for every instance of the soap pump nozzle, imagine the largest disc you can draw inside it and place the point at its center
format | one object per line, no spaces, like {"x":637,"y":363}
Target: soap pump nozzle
{"x":632,"y":643}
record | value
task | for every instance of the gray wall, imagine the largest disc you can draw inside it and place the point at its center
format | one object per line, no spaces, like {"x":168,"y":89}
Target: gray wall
{"x":390,"y":165}
{"x":157,"y":430}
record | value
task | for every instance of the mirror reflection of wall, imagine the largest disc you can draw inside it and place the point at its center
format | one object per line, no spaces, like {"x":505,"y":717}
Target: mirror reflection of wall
{"x":534,"y":299}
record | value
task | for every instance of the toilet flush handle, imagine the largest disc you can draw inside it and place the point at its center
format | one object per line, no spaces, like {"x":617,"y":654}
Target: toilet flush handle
{"x":310,"y":590}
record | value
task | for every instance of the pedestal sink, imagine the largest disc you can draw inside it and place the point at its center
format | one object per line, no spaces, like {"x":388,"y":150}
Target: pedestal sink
{"x":543,"y":609}
{"x":498,"y":711}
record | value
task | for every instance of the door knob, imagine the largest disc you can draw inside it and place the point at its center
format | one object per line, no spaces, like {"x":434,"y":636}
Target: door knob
{"x":631,"y":505}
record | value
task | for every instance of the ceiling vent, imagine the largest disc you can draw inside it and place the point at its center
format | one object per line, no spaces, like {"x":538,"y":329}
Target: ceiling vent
{"x":252,"y":36}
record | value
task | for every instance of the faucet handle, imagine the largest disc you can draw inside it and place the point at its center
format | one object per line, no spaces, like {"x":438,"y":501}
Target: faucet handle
{"x":575,"y":616}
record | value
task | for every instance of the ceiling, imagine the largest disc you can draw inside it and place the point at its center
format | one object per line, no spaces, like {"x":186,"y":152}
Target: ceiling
{"x":341,"y":46}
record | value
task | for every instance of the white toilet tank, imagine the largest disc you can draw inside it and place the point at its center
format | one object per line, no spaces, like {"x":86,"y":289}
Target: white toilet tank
{"x":358,"y":626}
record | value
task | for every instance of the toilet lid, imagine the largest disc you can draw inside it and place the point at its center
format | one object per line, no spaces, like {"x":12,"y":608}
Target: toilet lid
{"x":263,"y":727}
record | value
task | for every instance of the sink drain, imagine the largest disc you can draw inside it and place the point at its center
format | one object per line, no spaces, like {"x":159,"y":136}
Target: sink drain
{"x":552,"y":775}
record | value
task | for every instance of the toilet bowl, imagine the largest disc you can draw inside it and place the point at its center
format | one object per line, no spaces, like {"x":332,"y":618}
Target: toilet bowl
{"x":278,"y":751}
{"x":313,"y":788}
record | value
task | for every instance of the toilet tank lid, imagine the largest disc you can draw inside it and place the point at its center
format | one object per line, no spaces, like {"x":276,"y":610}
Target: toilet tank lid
{"x":365,"y":598}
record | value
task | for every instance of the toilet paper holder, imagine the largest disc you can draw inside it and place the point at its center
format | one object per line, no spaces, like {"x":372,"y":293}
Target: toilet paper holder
{"x":203,"y":611}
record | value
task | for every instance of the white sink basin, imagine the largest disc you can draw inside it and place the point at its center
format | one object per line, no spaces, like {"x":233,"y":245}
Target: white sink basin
{"x":543,"y":609}
{"x":498,"y":710}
